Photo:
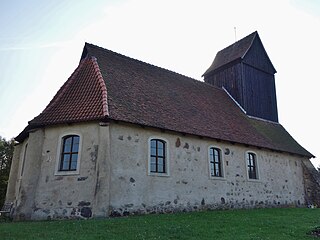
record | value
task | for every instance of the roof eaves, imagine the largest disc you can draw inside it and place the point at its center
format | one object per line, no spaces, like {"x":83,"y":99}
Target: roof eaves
{"x":211,"y":71}
{"x":25,"y":132}
{"x":232,"y":141}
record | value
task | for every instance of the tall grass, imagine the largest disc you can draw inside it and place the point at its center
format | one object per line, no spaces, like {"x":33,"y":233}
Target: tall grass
{"x":284,"y":223}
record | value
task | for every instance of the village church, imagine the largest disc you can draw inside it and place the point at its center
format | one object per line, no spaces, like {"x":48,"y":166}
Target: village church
{"x":122,"y":137}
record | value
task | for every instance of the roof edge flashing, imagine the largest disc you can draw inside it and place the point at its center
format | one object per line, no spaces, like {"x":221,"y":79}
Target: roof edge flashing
{"x":234,"y":100}
{"x":262,"y":119}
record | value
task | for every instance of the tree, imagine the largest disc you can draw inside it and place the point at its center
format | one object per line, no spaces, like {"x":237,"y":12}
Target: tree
{"x":6,"y":154}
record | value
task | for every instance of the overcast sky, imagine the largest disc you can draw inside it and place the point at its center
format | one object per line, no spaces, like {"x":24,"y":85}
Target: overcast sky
{"x":41,"y":44}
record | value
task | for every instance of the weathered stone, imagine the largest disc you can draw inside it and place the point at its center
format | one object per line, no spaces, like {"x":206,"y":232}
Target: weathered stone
{"x":94,"y":153}
{"x":83,"y":203}
{"x":132,"y":180}
{"x":46,"y":211}
{"x":86,"y":212}
{"x":82,"y":178}
{"x":178,"y":142}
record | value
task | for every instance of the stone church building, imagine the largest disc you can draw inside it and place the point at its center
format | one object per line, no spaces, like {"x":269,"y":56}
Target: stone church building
{"x":122,"y":137}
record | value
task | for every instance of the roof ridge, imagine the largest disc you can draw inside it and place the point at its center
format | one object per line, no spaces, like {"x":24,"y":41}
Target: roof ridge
{"x":240,"y":40}
{"x":253,"y":38}
{"x":142,"y":62}
{"x":102,"y":85}
{"x":149,"y":64}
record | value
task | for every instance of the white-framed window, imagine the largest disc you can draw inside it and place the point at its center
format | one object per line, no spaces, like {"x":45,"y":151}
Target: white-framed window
{"x":252,"y":165}
{"x":68,"y":154}
{"x":158,"y":156}
{"x":216,"y":164}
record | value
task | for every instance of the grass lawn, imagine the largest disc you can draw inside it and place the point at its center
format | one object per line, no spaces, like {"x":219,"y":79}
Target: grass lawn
{"x":291,"y":223}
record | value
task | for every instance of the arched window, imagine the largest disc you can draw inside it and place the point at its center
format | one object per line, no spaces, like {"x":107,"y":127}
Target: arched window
{"x":69,"y":153}
{"x":158,"y":156}
{"x":215,"y":162}
{"x":252,"y":165}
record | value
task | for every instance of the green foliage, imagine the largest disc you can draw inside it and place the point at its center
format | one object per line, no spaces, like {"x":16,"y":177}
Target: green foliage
{"x":6,"y":153}
{"x":280,"y":224}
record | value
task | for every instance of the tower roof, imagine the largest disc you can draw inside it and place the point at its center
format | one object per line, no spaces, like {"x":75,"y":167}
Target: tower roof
{"x":235,"y":52}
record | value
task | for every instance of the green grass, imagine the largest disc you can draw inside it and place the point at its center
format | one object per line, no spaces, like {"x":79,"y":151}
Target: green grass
{"x":284,"y":223}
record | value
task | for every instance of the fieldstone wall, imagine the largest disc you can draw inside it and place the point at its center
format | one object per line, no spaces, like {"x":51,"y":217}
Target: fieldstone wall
{"x":312,"y":184}
{"x":188,"y":186}
{"x":113,"y":179}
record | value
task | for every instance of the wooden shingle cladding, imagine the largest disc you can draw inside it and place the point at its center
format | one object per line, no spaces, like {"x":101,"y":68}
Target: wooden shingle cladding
{"x":246,"y":72}
{"x":259,"y":93}
{"x":257,"y":57}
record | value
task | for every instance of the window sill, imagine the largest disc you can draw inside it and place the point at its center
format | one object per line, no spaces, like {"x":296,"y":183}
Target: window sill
{"x":158,"y":174}
{"x":217,"y":178}
{"x":253,"y":180}
{"x":66,"y":173}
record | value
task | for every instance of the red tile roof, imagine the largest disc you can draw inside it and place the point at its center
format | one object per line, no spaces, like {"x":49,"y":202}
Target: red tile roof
{"x":83,"y":97}
{"x":140,"y":93}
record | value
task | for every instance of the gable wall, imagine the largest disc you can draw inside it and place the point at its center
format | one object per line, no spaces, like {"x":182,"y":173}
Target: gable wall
{"x":258,"y":58}
{"x":64,"y":196}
